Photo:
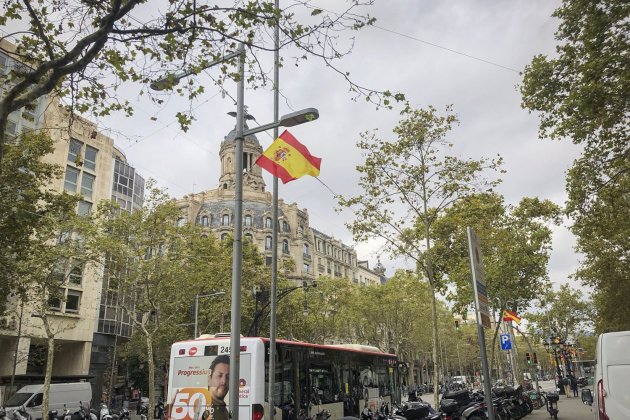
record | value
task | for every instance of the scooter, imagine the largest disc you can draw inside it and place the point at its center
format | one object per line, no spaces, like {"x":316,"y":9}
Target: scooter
{"x":412,"y":410}
{"x":552,"y":404}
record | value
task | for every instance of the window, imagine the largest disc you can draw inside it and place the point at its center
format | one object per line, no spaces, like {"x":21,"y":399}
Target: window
{"x":224,"y":236}
{"x":71,"y":180}
{"x":181,"y":221}
{"x":90,"y":158}
{"x":76,"y":275}
{"x":268,"y":222}
{"x":74,"y":151}
{"x":73,"y":301}
{"x":248,"y":221}
{"x":225,"y":220}
{"x":29,"y":112}
{"x":84,"y":208}
{"x":285,"y":246}
{"x":268,"y":260}
{"x":307,"y":268}
{"x":306,"y":250}
{"x":87,"y":185}
{"x":249,"y":237}
{"x":301,"y":229}
{"x":37,"y":400}
{"x":285,"y":226}
{"x":54,"y":301}
{"x":268,"y":243}
{"x":204,"y":221}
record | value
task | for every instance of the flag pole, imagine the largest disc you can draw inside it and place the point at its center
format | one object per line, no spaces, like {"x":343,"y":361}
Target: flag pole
{"x":274,"y":233}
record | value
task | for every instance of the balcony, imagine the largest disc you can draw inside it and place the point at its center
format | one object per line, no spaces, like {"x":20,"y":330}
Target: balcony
{"x":321,"y":268}
{"x":306,"y":256}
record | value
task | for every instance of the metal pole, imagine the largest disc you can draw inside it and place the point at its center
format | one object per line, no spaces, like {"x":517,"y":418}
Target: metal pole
{"x":196,"y":313}
{"x":274,"y":234}
{"x":237,"y":250}
{"x":481,"y":335}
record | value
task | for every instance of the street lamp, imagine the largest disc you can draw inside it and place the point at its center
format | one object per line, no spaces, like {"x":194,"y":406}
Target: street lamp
{"x":552,"y":345}
{"x":289,"y":120}
{"x":197,"y":306}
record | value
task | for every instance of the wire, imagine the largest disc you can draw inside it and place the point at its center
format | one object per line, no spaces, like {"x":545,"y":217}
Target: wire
{"x":483,"y":60}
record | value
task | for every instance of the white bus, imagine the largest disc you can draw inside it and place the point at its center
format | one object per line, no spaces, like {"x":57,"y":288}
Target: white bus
{"x":309,"y":378}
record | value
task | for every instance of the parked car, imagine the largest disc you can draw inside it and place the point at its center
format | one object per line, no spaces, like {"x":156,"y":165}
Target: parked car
{"x":611,"y":376}
{"x":60,"y":396}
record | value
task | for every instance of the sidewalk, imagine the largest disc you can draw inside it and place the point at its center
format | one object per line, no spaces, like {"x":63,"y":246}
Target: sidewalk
{"x":568,"y":408}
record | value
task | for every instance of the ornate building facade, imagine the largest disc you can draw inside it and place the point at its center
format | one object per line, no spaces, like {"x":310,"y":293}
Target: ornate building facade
{"x":313,"y":252}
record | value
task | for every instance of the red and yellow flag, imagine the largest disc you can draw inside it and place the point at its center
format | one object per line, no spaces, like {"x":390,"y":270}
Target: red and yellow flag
{"x":288,"y":159}
{"x":511,"y":316}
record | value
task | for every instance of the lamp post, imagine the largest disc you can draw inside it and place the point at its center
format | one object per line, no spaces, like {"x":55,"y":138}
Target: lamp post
{"x":552,"y":346}
{"x":289,"y":120}
{"x":261,"y":314}
{"x":197,"y":306}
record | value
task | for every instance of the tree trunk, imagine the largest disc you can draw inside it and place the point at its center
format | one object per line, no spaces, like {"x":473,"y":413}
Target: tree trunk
{"x":49,"y":366}
{"x":494,"y":339}
{"x":436,"y":378}
{"x":151,"y":366}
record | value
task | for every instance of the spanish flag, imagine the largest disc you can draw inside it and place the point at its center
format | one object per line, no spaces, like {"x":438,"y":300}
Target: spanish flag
{"x":511,"y":316}
{"x":288,"y":159}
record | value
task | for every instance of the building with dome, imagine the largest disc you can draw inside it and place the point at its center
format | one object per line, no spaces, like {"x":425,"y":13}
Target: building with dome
{"x":313,"y":252}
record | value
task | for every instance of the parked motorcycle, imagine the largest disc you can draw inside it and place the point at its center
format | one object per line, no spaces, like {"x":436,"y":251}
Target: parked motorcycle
{"x":158,"y":411}
{"x":414,"y":410}
{"x":144,"y":409}
{"x":460,"y":406}
{"x":552,"y":404}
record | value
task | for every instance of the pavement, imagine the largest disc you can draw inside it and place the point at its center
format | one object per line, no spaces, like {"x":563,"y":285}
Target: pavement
{"x":568,"y":408}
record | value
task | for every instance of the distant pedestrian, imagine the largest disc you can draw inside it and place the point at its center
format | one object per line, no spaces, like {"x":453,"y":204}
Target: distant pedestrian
{"x":574,"y":386}
{"x":567,"y":386}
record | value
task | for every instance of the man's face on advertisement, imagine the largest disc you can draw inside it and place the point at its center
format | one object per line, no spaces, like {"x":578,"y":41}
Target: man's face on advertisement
{"x":219,"y":381}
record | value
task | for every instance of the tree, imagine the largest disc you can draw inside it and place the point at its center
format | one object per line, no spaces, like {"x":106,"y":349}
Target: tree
{"x":561,"y":314}
{"x":83,"y":51}
{"x":407,"y":183}
{"x":158,"y":264}
{"x":30,"y":209}
{"x":515,"y":242}
{"x":148,"y":261}
{"x":582,"y":94}
{"x":59,"y":251}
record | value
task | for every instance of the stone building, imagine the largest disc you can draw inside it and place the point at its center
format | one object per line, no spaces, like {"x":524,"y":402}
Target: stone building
{"x":96,"y":169}
{"x":313,"y":252}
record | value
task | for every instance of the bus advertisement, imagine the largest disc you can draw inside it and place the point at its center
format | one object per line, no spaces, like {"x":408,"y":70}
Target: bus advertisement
{"x":309,"y":378}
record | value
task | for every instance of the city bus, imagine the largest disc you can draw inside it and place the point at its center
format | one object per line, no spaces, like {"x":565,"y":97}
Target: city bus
{"x":309,"y":378}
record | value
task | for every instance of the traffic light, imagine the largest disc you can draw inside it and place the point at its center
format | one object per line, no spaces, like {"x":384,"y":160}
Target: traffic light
{"x":457,"y":325}
{"x":535,"y":358}
{"x":528,"y":358}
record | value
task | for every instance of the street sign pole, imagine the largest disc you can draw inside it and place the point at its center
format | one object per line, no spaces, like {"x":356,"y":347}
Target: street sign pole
{"x":482,"y":312}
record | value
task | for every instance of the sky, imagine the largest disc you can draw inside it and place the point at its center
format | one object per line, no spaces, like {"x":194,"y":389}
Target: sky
{"x":440,"y":52}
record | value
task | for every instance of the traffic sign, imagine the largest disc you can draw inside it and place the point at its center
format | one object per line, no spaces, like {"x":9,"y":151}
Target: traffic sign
{"x":479,"y":284}
{"x":506,"y":342}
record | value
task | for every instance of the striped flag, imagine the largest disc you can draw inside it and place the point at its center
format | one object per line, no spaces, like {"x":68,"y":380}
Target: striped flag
{"x":288,"y":159}
{"x":511,"y":316}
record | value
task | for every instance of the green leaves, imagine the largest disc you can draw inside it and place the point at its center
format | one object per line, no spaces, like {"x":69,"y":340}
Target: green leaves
{"x":582,"y":94}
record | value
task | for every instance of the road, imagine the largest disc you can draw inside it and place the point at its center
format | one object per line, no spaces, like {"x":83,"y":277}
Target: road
{"x":569,"y":408}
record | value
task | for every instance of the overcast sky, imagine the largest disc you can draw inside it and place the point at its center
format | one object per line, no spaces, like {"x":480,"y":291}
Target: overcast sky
{"x":392,"y":56}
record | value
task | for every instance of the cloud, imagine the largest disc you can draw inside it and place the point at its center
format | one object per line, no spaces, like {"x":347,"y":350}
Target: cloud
{"x":390,"y":56}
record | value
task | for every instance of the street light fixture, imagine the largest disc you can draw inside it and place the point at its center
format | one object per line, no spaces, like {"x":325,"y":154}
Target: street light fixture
{"x":197,"y":306}
{"x":289,"y":120}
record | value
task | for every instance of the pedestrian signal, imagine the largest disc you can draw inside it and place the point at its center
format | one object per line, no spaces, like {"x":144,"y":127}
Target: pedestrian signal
{"x":535,"y":358}
{"x":528,"y":358}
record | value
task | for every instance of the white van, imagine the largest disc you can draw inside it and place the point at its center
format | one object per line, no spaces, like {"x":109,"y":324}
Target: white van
{"x":612,"y":370}
{"x":72,"y":395}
